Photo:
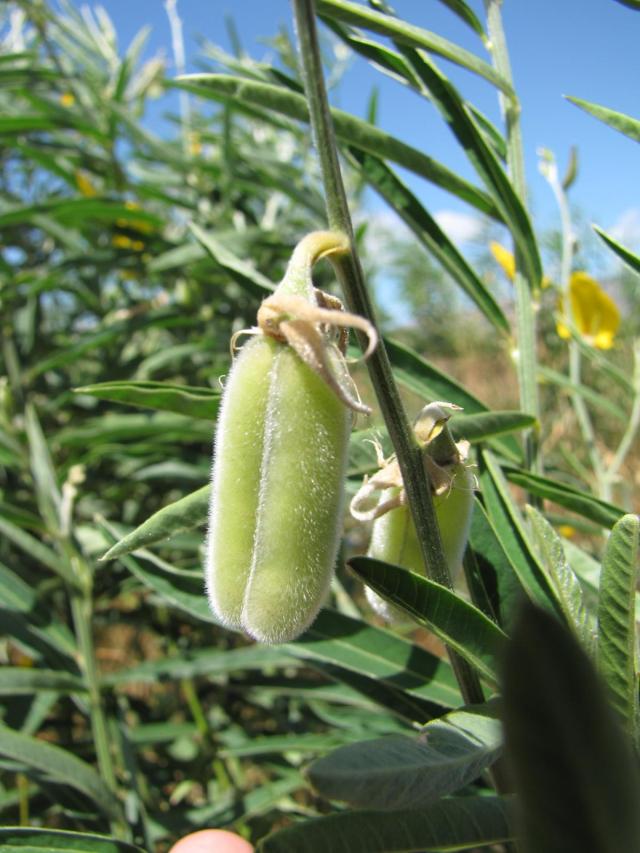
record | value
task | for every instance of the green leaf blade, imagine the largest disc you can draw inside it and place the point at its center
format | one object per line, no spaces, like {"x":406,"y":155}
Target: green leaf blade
{"x":456,"y":622}
{"x":456,"y":823}
{"x":617,"y":640}
{"x":403,"y":772}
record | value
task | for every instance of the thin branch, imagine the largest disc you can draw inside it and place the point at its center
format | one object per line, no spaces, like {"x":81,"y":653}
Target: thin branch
{"x":349,"y":271}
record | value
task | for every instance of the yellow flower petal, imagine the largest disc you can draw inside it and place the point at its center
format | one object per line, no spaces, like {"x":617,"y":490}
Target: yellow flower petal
{"x":84,"y":184}
{"x":595,"y":313}
{"x":505,"y":258}
{"x":67,"y":99}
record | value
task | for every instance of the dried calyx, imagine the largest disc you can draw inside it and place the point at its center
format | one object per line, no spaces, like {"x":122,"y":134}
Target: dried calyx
{"x":442,"y":458}
{"x":312,"y":322}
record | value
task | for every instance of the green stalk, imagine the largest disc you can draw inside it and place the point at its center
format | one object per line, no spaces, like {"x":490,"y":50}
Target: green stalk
{"x":82,"y":613}
{"x":549,"y":170}
{"x":526,"y":360}
{"x":626,"y":442}
{"x":349,"y":271}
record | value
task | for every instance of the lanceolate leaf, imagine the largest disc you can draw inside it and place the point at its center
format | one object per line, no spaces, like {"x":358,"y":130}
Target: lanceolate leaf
{"x":194,"y":402}
{"x":485,"y":162}
{"x":496,"y":568}
{"x":630,"y":258}
{"x":245,"y":274}
{"x":455,"y":823}
{"x":485,"y":425}
{"x":184,"y":514}
{"x":459,"y":624}
{"x":377,"y":654}
{"x":17,"y":680}
{"x":60,"y":765}
{"x":508,"y":525}
{"x":429,"y":233}
{"x":547,"y":374}
{"x":577,"y":501}
{"x":619,"y":121}
{"x":350,"y":130}
{"x":412,"y":36}
{"x":403,"y":772}
{"x":573,"y":769}
{"x":22,"y":839}
{"x":617,"y":638}
{"x":562,"y":579}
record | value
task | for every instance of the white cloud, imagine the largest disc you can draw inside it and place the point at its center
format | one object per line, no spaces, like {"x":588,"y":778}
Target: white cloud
{"x":626,"y":228}
{"x":459,"y":227}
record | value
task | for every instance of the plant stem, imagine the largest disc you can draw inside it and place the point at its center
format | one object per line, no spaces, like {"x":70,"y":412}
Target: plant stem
{"x":526,"y":361}
{"x":549,"y":169}
{"x":82,"y":611}
{"x":611,"y":472}
{"x":349,"y":271}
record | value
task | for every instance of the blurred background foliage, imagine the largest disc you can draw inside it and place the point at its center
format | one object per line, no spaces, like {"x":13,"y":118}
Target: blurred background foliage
{"x":131,"y":255}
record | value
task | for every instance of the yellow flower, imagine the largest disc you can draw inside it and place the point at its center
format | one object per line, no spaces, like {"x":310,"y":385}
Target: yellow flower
{"x":505,"y":258}
{"x":121,"y":241}
{"x":84,"y":184}
{"x":595,"y":314}
{"x":567,"y":530}
{"x":67,"y":99}
{"x":507,"y":261}
{"x":140,"y":225}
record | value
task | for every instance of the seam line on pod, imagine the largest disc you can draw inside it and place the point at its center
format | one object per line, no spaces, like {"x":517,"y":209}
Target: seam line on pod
{"x":273,"y":401}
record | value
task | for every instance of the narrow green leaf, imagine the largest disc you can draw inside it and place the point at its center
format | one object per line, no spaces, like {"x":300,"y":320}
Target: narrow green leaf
{"x":465,"y":13}
{"x":599,"y":401}
{"x":350,"y":130}
{"x":412,"y":36}
{"x":202,"y":662}
{"x":60,"y":765}
{"x":399,"y":68}
{"x":18,"y":680}
{"x":618,"y":121}
{"x":580,"y":502}
{"x":499,"y":576}
{"x":617,"y":640}
{"x":508,"y":525}
{"x":184,"y":514}
{"x":244,"y":273}
{"x":456,"y":622}
{"x":76,"y":211}
{"x":191,"y":401}
{"x":562,"y":579}
{"x":21,"y":839}
{"x":429,"y":233}
{"x":47,"y":491}
{"x":35,"y":549}
{"x":184,"y":590}
{"x":377,"y":654}
{"x":483,"y":425}
{"x":630,"y":258}
{"x":574,"y":771}
{"x":410,"y":772}
{"x":485,"y":162}
{"x":112,"y":428}
{"x":455,"y":823}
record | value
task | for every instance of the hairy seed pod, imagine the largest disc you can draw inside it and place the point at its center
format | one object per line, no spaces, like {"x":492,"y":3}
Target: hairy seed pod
{"x":279,"y":465}
{"x":393,"y":537}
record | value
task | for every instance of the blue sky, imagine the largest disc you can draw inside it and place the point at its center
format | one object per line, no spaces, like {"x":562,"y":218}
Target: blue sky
{"x":586,"y":48}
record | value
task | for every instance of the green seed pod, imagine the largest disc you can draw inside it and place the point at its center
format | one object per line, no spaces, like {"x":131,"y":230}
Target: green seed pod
{"x":279,"y":466}
{"x":393,"y":537}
